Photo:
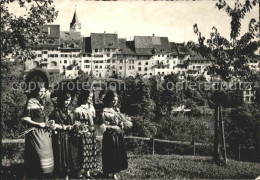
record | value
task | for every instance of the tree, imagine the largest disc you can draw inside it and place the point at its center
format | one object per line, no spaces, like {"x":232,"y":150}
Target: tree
{"x":18,"y":32}
{"x":242,"y":129}
{"x":230,"y":57}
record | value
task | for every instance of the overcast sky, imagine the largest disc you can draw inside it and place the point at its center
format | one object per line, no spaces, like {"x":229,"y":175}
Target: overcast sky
{"x":144,"y":18}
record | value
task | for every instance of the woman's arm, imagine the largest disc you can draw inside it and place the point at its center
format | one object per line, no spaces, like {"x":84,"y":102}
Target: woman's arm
{"x":30,"y":121}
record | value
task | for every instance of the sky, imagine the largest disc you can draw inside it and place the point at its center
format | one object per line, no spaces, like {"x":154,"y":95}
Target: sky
{"x":172,"y":19}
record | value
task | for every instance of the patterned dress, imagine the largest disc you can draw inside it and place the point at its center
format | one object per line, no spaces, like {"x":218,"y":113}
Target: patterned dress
{"x":84,"y":116}
{"x":114,"y":157}
{"x":65,"y":145}
{"x":38,"y":142}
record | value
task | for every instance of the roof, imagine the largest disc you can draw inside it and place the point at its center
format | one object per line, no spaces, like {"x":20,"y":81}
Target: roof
{"x":149,"y":45}
{"x":53,"y":31}
{"x":196,"y":56}
{"x":173,"y":48}
{"x":70,"y":38}
{"x":182,"y":49}
{"x":74,"y":21}
{"x":125,"y":47}
{"x":103,"y":41}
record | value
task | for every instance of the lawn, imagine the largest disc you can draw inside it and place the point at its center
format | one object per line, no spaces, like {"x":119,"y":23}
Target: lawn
{"x":168,"y":167}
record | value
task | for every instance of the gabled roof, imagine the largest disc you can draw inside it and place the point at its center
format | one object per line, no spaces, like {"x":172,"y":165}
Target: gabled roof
{"x":125,"y":47}
{"x":196,"y":56}
{"x":70,"y":38}
{"x":103,"y":41}
{"x":174,"y":50}
{"x":182,"y":49}
{"x":53,"y":31}
{"x":149,"y":45}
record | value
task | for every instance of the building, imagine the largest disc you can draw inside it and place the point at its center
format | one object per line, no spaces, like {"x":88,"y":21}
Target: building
{"x":105,"y":55}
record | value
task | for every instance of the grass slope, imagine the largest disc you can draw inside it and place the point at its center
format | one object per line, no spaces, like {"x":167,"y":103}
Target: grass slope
{"x":164,"y":167}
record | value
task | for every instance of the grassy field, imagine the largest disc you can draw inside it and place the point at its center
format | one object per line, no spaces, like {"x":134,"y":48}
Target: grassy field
{"x":168,"y":167}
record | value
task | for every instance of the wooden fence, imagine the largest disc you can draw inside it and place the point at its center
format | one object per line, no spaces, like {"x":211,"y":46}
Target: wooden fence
{"x":152,"y":140}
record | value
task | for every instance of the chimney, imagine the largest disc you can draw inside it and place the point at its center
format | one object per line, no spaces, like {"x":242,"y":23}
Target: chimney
{"x":153,"y":34}
{"x":104,"y":32}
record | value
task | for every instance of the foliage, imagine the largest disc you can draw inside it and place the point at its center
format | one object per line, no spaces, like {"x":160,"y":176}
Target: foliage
{"x":143,"y":127}
{"x":182,"y":128}
{"x":18,"y":32}
{"x":136,"y":99}
{"x":242,"y":125}
{"x":13,"y":98}
{"x":230,"y":58}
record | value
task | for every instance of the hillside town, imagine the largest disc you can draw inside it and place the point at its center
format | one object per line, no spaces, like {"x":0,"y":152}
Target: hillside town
{"x":104,"y":55}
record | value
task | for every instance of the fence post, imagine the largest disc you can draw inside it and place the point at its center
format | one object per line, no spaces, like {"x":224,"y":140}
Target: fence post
{"x":193,"y":147}
{"x":239,"y":152}
{"x":152,"y":145}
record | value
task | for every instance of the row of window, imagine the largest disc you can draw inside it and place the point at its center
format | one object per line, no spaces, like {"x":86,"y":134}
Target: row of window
{"x":106,"y":50}
{"x":140,"y":69}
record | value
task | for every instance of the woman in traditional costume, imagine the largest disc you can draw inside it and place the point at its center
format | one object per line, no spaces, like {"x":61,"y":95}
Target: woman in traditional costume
{"x":65,"y":143}
{"x":114,"y":157}
{"x":84,"y":116}
{"x":39,"y":161}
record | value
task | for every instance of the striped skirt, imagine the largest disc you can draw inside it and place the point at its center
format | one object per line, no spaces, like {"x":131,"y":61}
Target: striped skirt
{"x":38,"y":152}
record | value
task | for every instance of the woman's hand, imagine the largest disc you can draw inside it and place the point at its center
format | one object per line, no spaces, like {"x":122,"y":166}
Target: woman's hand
{"x":42,"y":125}
{"x":115,"y":127}
{"x":68,"y":127}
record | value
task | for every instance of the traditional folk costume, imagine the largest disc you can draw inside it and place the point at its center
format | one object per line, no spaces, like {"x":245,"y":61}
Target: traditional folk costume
{"x":65,"y":145}
{"x":114,"y":157}
{"x":84,"y":117}
{"x":38,"y":142}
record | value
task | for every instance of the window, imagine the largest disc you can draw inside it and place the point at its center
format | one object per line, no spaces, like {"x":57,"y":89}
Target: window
{"x":108,"y":50}
{"x":74,"y":55}
{"x":162,"y":73}
{"x":145,"y":69}
{"x":96,"y":67}
{"x":130,"y":67}
{"x":108,"y":61}
{"x":100,"y":67}
{"x":162,"y":55}
{"x":133,"y":67}
{"x":53,"y":64}
{"x":158,"y":55}
{"x":139,"y":69}
{"x":108,"y":55}
{"x":114,"y":55}
{"x":113,"y":61}
{"x":151,"y":74}
{"x":98,"y":55}
{"x":64,"y":67}
{"x":100,"y":50}
{"x":121,"y":61}
{"x":65,"y":61}
{"x":62,"y":55}
{"x":39,"y":55}
{"x":146,"y":63}
{"x":66,"y":55}
{"x":120,"y":67}
{"x":45,"y":52}
{"x":139,"y":63}
{"x":56,"y":55}
{"x":96,"y":50}
{"x":86,"y":61}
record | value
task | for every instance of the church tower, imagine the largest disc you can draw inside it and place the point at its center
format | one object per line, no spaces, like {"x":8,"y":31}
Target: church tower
{"x":75,"y":24}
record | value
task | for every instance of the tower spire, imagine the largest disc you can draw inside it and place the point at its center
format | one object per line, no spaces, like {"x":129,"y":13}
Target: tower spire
{"x":75,"y":24}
